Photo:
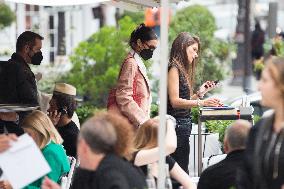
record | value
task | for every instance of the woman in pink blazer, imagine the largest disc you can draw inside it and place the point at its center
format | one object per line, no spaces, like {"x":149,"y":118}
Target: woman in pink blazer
{"x":132,"y":95}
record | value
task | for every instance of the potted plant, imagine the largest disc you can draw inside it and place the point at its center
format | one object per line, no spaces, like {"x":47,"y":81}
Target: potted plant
{"x":258,"y":67}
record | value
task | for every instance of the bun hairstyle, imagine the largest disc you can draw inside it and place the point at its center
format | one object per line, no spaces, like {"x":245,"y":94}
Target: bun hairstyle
{"x":143,"y":33}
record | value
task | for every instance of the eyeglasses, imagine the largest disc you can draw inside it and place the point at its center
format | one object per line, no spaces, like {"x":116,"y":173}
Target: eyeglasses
{"x":152,"y":47}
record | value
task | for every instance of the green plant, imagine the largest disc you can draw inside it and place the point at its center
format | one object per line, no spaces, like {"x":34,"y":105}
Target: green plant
{"x":86,"y":111}
{"x":194,"y":115}
{"x":258,"y":65}
{"x":279,"y":47}
{"x":7,"y":16}
{"x":154,"y":110}
{"x":218,"y":126}
{"x":137,"y":17}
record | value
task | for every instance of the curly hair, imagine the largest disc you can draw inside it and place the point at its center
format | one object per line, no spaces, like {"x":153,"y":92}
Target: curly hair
{"x":64,"y":100}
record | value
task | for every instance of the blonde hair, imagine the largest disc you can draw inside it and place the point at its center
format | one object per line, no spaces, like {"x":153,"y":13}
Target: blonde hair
{"x":147,"y":135}
{"x":40,"y":123}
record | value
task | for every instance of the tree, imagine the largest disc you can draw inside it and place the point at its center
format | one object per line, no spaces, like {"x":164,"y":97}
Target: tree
{"x":198,"y":20}
{"x":7,"y":16}
{"x":96,"y":62}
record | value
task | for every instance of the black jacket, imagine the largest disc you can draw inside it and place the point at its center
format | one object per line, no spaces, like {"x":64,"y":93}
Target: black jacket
{"x":17,"y":85}
{"x":260,"y":161}
{"x":223,"y":174}
{"x":112,"y":173}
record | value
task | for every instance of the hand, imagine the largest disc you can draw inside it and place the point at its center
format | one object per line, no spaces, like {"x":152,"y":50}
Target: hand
{"x":211,"y":102}
{"x":206,"y":87}
{"x":49,"y":184}
{"x":54,"y":117}
{"x":9,"y":116}
{"x":4,"y":184}
{"x":5,"y":141}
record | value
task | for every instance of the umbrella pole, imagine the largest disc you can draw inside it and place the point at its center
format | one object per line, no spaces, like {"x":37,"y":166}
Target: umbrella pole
{"x":163,"y":91}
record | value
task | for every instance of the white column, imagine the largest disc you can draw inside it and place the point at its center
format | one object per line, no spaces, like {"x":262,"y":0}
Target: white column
{"x":21,"y":18}
{"x":163,"y":91}
{"x":109,"y":14}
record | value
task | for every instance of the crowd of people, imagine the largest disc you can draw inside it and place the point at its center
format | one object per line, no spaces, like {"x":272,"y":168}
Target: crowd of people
{"x":119,"y":148}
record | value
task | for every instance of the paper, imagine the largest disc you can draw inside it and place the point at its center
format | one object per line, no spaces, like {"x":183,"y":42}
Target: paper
{"x":23,"y":162}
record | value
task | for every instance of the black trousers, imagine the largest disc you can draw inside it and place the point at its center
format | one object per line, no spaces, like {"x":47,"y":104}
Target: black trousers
{"x":181,"y":155}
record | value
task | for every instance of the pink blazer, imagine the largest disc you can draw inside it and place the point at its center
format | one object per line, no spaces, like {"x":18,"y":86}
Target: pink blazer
{"x":135,"y":108}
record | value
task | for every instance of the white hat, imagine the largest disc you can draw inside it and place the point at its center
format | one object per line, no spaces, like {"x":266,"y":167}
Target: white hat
{"x":65,"y":89}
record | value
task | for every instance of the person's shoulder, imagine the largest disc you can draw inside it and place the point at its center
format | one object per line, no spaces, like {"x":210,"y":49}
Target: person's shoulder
{"x":53,"y":149}
{"x":213,"y":169}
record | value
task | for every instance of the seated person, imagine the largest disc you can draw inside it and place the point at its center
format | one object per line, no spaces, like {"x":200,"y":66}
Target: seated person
{"x":223,"y":174}
{"x":100,"y":166}
{"x":147,"y":151}
{"x":61,"y":110}
{"x":40,"y":128}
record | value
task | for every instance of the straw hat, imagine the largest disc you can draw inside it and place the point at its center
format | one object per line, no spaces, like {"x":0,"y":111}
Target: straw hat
{"x":65,"y":89}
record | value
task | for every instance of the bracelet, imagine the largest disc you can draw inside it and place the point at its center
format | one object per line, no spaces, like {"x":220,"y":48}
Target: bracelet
{"x":199,"y":103}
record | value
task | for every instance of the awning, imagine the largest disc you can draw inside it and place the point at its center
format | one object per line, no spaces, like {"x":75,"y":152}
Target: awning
{"x":57,"y":2}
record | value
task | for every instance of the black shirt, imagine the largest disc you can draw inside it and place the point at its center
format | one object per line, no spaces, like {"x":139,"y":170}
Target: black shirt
{"x":184,"y":93}
{"x":222,"y":175}
{"x":113,"y":172}
{"x":69,"y":134}
{"x":20,"y":85}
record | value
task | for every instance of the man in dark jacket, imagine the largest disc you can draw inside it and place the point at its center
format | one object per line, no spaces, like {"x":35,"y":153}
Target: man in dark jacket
{"x":223,"y":174}
{"x":100,"y":167}
{"x":18,"y":85}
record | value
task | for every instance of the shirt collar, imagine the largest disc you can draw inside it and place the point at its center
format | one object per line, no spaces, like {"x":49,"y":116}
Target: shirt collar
{"x":139,"y":61}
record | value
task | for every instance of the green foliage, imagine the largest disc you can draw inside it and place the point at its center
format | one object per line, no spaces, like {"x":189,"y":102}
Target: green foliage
{"x":96,"y":62}
{"x":258,"y":65}
{"x":198,"y":20}
{"x":256,"y":118}
{"x":279,"y":47}
{"x":194,"y":115}
{"x":86,"y":111}
{"x":7,"y":16}
{"x":137,"y":17}
{"x":154,"y":110}
{"x":218,"y":126}
{"x":276,"y":44}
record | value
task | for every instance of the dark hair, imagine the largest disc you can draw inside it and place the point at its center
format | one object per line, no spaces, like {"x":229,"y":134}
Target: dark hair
{"x":178,"y":56}
{"x":143,"y":33}
{"x":27,"y":38}
{"x":65,"y":100}
{"x":99,"y":134}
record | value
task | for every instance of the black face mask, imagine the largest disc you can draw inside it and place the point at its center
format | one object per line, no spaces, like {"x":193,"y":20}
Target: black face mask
{"x":37,"y":58}
{"x":146,"y":54}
